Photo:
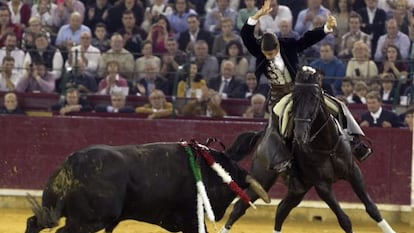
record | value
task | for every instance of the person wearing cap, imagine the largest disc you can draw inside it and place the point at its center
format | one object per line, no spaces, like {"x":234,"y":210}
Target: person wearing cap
{"x":277,"y":60}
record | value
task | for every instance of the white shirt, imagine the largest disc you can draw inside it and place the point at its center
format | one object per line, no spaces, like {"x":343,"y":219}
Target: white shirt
{"x":371,"y":15}
{"x":376,"y":115}
{"x":270,"y":24}
{"x":280,"y":64}
{"x":92,"y":54}
{"x":18,"y":56}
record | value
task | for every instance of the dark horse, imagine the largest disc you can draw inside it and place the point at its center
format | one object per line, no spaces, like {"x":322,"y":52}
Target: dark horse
{"x":322,"y":156}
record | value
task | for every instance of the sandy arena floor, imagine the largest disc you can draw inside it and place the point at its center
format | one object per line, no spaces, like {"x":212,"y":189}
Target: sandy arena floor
{"x":14,"y":221}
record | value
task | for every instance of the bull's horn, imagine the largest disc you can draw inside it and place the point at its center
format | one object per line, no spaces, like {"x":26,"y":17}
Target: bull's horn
{"x":257,"y":188}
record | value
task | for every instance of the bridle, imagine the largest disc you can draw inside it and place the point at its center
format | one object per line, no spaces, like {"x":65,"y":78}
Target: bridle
{"x":313,"y":117}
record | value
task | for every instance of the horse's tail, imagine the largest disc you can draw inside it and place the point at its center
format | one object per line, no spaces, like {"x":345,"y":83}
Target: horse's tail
{"x":243,"y":145}
{"x":44,"y":217}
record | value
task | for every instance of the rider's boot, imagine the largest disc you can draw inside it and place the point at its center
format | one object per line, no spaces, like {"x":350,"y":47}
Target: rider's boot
{"x":360,"y":149}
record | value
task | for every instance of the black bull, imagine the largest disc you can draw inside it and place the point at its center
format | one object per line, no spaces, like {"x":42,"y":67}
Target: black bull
{"x":100,"y":186}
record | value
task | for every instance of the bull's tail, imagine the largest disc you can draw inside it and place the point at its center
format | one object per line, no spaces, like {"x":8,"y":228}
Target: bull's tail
{"x":243,"y":145}
{"x":43,"y":217}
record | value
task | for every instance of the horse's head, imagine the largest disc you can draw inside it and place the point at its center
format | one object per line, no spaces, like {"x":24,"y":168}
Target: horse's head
{"x":307,"y":98}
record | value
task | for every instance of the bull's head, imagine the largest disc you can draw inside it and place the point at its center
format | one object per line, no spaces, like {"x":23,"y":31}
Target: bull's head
{"x":219,"y":193}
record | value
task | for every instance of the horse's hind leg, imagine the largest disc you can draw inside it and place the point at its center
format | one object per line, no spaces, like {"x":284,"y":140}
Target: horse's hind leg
{"x":290,"y":201}
{"x":325,"y":193}
{"x":358,"y":185}
{"x":266,"y":178}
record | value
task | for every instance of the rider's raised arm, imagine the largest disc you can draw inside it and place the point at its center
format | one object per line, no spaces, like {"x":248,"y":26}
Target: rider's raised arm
{"x":247,"y":31}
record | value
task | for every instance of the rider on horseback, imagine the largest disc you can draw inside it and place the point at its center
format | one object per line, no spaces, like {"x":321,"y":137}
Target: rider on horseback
{"x":277,"y":59}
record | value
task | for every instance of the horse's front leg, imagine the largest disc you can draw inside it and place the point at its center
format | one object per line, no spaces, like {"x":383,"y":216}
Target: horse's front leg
{"x":358,"y":185}
{"x":324,"y":191}
{"x":265,"y":177}
{"x":291,"y":200}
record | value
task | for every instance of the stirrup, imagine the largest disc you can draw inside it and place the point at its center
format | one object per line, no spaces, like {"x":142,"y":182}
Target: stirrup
{"x":360,"y":150}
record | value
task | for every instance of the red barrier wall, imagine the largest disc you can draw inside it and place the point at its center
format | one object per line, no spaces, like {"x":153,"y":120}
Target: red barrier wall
{"x":32,"y":147}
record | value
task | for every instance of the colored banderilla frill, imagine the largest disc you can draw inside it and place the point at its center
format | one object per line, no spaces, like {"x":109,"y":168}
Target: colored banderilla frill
{"x":202,"y":198}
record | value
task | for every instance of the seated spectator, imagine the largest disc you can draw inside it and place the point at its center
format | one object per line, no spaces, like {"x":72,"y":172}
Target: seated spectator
{"x":118,"y":104}
{"x":209,"y":105}
{"x":20,"y":13}
{"x":146,"y":56}
{"x":376,"y":115}
{"x":361,"y":67}
{"x":71,"y":32}
{"x":286,"y":30}
{"x":393,"y":63}
{"x":249,"y":87}
{"x":361,"y":90}
{"x":50,"y":55}
{"x":87,"y":52}
{"x":244,"y":13}
{"x":172,"y":60}
{"x":388,"y":91}
{"x":207,"y":64}
{"x":131,"y":33}
{"x":158,"y":35}
{"x":8,"y":79}
{"x":35,"y":27}
{"x":114,"y":16}
{"x":36,"y":78}
{"x":213,"y":19}
{"x":226,"y":83}
{"x":187,"y":39}
{"x":305,"y":17}
{"x":178,"y":18}
{"x":10,"y":48}
{"x":11,"y":105}
{"x":100,"y":39}
{"x":271,"y":21}
{"x":348,"y":93}
{"x":191,"y":82}
{"x":234,"y":52}
{"x":72,"y":102}
{"x":257,"y":108}
{"x":393,"y":36}
{"x":151,"y":81}
{"x":113,"y":80}
{"x":120,"y":54}
{"x":354,"y":34}
{"x":375,"y":84}
{"x":158,"y":107}
{"x":223,"y":38}
{"x":63,"y":12}
{"x":96,"y":12}
{"x":157,"y":8}
{"x":332,"y":67}
{"x":7,"y":26}
{"x":44,"y":10}
{"x":409,"y":119}
{"x":77,"y":77}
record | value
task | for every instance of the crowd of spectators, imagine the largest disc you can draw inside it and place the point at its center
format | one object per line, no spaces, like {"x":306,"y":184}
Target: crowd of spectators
{"x":192,"y":48}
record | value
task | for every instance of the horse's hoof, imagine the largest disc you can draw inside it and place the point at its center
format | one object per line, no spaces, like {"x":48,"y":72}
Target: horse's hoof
{"x":224,"y":230}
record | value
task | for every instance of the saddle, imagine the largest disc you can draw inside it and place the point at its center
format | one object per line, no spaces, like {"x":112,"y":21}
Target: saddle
{"x":283,"y":111}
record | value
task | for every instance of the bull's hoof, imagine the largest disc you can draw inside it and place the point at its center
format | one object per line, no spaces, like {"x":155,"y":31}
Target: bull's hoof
{"x":283,"y":166}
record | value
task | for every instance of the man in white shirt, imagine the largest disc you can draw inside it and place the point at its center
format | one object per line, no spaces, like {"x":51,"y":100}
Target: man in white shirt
{"x":271,"y":21}
{"x":88,"y":53}
{"x":10,"y":49}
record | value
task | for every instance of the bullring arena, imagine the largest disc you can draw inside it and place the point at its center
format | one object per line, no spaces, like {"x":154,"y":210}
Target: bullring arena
{"x":32,"y":147}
